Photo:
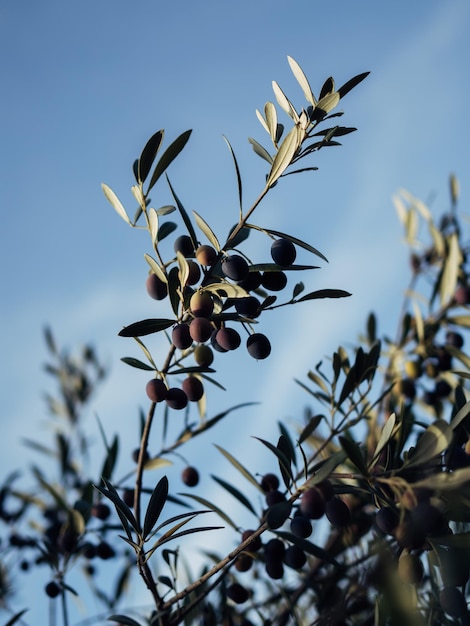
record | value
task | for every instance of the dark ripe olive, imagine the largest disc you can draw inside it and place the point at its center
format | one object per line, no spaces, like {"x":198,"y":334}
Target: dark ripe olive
{"x":269,"y":482}
{"x":190,"y":476}
{"x":274,"y":281}
{"x":228,"y":338}
{"x":156,"y":390}
{"x":201,"y":304}
{"x":301,"y":526}
{"x":193,"y":388}
{"x":181,"y":337}
{"x":294,"y":557}
{"x":312,"y":503}
{"x":283,"y":252}
{"x":453,"y":602}
{"x":235,"y":267}
{"x":156,"y":288}
{"x":184,"y":244}
{"x":237,"y":593}
{"x":258,"y":346}
{"x":176,"y":398}
{"x":200,"y":329}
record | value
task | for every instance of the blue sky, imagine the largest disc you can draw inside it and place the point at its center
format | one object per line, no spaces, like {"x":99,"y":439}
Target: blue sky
{"x":84,"y":86}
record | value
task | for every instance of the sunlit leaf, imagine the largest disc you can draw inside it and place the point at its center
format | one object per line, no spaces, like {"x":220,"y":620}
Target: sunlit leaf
{"x":435,"y":439}
{"x":302,"y":80}
{"x":284,"y":155}
{"x":271,"y":120}
{"x":156,"y":463}
{"x":260,"y":151}
{"x":153,"y":224}
{"x":451,"y":270}
{"x":241,"y":468}
{"x":206,"y":229}
{"x":385,"y":435}
{"x":115,"y":202}
{"x":262,"y":121}
{"x":156,"y":269}
{"x":284,"y":102}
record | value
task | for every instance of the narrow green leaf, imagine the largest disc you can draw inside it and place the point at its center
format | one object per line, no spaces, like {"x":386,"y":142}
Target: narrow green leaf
{"x":308,"y":546}
{"x":206,"y":229}
{"x":385,"y":435}
{"x":213,"y":507}
{"x":350,"y":84}
{"x":451,"y":270}
{"x":237,"y":171}
{"x":166,"y":229}
{"x":155,"y":505}
{"x":235,"y":493}
{"x":284,"y":102}
{"x":284,"y":155}
{"x":153,"y":224}
{"x":145,"y":327}
{"x":168,"y":156}
{"x":262,"y":121}
{"x":136,"y":363}
{"x":271,"y":120}
{"x":294,"y":240}
{"x":309,"y":428}
{"x":241,"y":468}
{"x":184,"y":215}
{"x":112,"y":198}
{"x":16,"y":617}
{"x":324,"y":293}
{"x":302,"y":80}
{"x":435,"y":439}
{"x":155,"y":267}
{"x":327,"y":467}
{"x":283,"y":460}
{"x":354,"y":454}
{"x":110,"y":461}
{"x":318,"y":380}
{"x":260,"y":151}
{"x":148,"y":155}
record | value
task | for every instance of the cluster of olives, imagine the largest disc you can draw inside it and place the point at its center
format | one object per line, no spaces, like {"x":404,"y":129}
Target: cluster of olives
{"x":202,"y":326}
{"x":419,"y":518}
{"x":433,"y":366}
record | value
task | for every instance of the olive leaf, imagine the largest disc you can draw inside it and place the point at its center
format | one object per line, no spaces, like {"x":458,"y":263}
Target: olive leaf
{"x":148,"y":155}
{"x":112,"y":198}
{"x":145,"y":327}
{"x":168,"y":156}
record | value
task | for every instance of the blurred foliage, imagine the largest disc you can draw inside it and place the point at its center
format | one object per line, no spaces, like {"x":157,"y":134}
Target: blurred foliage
{"x":364,"y":516}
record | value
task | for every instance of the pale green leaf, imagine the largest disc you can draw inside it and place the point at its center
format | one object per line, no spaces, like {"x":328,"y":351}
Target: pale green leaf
{"x":284,"y":155}
{"x":239,"y":467}
{"x":451,"y":270}
{"x":183,"y":269}
{"x":156,"y":269}
{"x":206,"y":229}
{"x":328,"y":102}
{"x":260,"y":151}
{"x":271,"y":120}
{"x":385,"y":435}
{"x":435,"y":439}
{"x":153,"y":224}
{"x":112,"y":198}
{"x":302,"y":80}
{"x":284,"y":102}
{"x":262,"y":121}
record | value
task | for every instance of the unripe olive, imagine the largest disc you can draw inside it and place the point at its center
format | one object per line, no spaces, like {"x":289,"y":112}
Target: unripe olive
{"x":206,"y":255}
{"x":156,"y":390}
{"x":413,"y":368}
{"x":156,"y":288}
{"x":201,"y":304}
{"x":203,"y":355}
